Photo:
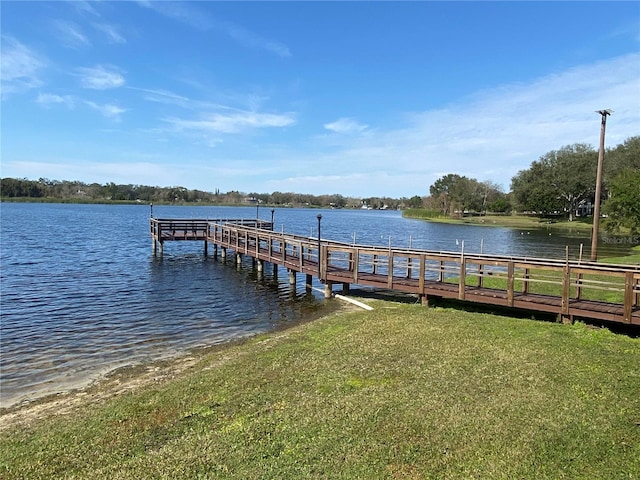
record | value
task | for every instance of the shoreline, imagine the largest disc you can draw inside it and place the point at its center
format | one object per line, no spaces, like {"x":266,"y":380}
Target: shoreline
{"x":355,"y":395}
{"x":508,"y":221}
{"x":112,"y":382}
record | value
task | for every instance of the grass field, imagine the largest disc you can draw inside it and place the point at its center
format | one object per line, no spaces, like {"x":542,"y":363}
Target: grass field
{"x":512,"y":221}
{"x":399,"y":392}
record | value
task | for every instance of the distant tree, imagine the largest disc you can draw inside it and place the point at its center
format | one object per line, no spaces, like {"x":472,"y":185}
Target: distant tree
{"x":500,"y":205}
{"x":558,"y":181}
{"x":415,"y":202}
{"x":445,"y":191}
{"x":454,"y":192}
{"x":623,"y":207}
{"x":493,"y":198}
{"x":14,"y":187}
{"x":625,"y":156}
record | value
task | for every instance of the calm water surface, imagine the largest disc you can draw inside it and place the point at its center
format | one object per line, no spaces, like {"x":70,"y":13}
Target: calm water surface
{"x":82,"y":294}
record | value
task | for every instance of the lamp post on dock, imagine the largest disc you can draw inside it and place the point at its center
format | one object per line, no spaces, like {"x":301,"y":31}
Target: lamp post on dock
{"x":273,"y":210}
{"x":151,"y":205}
{"x":596,"y":210}
{"x":319,"y":254}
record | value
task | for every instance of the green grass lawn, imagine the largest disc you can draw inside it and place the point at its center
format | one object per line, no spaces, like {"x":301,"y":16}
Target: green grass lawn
{"x":399,"y":392}
{"x":512,"y":221}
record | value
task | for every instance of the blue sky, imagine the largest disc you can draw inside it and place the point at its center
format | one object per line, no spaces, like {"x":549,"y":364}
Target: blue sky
{"x":357,"y":98}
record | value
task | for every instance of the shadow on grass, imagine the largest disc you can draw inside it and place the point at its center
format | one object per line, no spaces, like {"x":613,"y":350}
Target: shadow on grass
{"x":632,"y":331}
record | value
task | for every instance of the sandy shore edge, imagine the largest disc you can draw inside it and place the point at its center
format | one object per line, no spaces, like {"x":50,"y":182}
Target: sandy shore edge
{"x":130,"y":378}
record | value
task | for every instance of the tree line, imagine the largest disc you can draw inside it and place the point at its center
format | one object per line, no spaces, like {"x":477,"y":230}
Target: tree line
{"x":560,"y":183}
{"x":44,"y":189}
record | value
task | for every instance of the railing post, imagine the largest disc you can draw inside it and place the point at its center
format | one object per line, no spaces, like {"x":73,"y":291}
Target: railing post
{"x":423,"y":268}
{"x":628,"y":296}
{"x":511,"y":268}
{"x":463,"y":277}
{"x":300,"y":255}
{"x":323,"y":265}
{"x":257,"y":245}
{"x":356,"y":265}
{"x":525,"y":281}
{"x":566,"y":287}
{"x":579,"y":286}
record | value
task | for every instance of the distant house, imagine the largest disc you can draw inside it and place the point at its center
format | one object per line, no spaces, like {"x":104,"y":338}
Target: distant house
{"x":585,"y":208}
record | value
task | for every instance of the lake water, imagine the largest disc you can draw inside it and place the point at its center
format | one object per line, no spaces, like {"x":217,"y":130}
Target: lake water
{"x":82,"y":293}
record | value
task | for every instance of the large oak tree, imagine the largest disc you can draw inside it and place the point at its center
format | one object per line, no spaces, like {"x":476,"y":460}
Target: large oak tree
{"x":558,"y":181}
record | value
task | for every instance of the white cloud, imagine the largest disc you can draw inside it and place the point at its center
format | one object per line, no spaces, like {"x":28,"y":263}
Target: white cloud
{"x":346,"y":126}
{"x":48,"y":99}
{"x":233,"y":122}
{"x":197,"y":18}
{"x":111,"y":32}
{"x":70,"y":34}
{"x":85,"y":7}
{"x":179,"y":11}
{"x":21,"y":67}
{"x":108,"y":110}
{"x":252,"y":40}
{"x":100,"y":77}
{"x":489,"y":136}
{"x":125,"y":172}
{"x":163,"y":96}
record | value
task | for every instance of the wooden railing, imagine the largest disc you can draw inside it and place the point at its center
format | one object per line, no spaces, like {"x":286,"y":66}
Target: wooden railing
{"x":566,"y":288}
{"x":162,"y":229}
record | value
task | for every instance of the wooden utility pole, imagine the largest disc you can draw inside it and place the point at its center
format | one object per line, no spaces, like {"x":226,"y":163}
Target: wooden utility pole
{"x":596,"y":210}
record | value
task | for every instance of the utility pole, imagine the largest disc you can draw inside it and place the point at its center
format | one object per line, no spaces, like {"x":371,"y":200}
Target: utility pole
{"x":596,"y":210}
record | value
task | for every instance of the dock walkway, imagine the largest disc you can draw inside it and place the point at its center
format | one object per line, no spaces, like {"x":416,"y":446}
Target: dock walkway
{"x":586,"y":290}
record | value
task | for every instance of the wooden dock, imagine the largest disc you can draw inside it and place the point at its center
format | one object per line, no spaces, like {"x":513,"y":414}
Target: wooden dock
{"x":585,"y":290}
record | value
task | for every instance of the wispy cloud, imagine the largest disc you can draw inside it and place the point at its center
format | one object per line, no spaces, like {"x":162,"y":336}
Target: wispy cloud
{"x":137,"y":172}
{"x":111,"y":33}
{"x":51,"y":99}
{"x":346,"y":126}
{"x":234,"y":122}
{"x":100,"y":77}
{"x":70,"y":34}
{"x":163,"y":96}
{"x":84,"y":7}
{"x":107,"y":110}
{"x":252,"y":40}
{"x":197,"y":18}
{"x":21,"y":67}
{"x":179,"y":11}
{"x":489,"y":136}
